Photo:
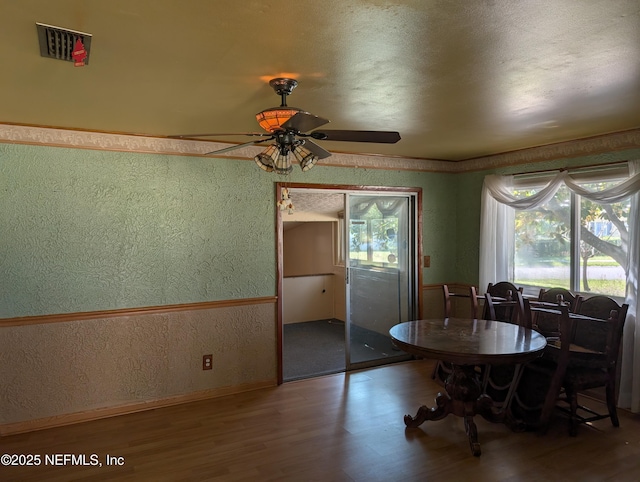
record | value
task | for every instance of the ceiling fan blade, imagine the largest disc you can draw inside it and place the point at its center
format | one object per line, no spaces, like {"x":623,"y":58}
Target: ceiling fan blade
{"x":237,"y":146}
{"x":316,"y":150}
{"x":303,"y":122}
{"x":382,"y":137}
{"x":186,"y":136}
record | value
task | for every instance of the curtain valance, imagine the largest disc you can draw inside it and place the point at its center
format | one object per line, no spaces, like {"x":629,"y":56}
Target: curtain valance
{"x":500,"y":188}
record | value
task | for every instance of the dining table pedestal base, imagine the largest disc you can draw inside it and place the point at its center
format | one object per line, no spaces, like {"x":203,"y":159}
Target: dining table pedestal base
{"x":467,"y":344}
{"x":463,"y":398}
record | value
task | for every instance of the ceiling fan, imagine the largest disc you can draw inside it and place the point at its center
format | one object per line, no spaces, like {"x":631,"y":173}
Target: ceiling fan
{"x":289,"y":127}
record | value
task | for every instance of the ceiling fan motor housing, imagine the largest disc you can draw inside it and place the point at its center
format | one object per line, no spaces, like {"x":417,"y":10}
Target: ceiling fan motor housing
{"x":283,"y":86}
{"x":286,"y":140}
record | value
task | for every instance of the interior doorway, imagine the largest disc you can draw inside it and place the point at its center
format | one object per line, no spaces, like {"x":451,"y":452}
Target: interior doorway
{"x":347,"y":272}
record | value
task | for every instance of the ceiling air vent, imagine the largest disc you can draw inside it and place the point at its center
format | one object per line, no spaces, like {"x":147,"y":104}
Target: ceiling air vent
{"x":58,"y":43}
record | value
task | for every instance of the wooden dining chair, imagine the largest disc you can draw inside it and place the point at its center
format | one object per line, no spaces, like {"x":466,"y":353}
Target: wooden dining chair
{"x":586,"y":357}
{"x":509,"y":310}
{"x":550,"y":295}
{"x":442,"y":369}
{"x":528,"y":399}
{"x":501,"y":381}
{"x":449,"y":295}
{"x":501,"y":291}
{"x":547,"y":323}
{"x":599,"y":306}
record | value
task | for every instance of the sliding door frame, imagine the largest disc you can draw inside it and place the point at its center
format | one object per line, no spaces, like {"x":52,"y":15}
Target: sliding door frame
{"x":416,"y":191}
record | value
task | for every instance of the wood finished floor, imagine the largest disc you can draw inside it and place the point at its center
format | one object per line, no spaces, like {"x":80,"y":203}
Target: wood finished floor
{"x":343,"y":427}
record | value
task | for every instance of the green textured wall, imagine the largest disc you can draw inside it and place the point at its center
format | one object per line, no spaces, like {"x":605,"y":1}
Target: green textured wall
{"x":467,"y":213}
{"x":90,"y":230}
{"x":85,"y":230}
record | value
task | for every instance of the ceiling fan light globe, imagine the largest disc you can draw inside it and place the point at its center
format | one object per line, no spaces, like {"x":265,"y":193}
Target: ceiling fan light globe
{"x":308,"y":163}
{"x":265,"y":160}
{"x":284,"y":171}
{"x":305,"y":158}
{"x":282,"y":164}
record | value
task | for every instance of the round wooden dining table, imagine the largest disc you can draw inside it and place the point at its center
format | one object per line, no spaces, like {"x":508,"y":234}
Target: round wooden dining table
{"x":466,"y":344}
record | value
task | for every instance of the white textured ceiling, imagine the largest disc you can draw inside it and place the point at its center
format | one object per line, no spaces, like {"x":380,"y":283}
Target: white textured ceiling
{"x":327,"y":203}
{"x":458,"y":79}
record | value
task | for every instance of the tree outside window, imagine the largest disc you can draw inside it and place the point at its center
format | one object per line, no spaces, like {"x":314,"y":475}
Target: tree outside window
{"x":545,"y":244}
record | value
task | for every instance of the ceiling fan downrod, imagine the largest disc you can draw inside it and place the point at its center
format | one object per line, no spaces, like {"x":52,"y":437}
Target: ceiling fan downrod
{"x":283,"y":87}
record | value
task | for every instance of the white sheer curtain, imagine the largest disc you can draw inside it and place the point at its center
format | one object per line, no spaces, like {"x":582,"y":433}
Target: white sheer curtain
{"x":630,"y":377}
{"x":496,"y":249}
{"x":496,"y":240}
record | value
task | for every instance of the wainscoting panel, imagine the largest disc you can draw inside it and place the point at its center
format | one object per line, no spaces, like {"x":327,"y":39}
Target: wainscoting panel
{"x":54,"y":370}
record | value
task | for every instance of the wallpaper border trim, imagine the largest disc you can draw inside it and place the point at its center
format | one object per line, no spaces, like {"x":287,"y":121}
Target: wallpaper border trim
{"x":79,"y":139}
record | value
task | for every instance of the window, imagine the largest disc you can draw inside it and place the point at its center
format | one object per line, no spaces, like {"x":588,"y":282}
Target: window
{"x":572,"y":242}
{"x":603,"y":245}
{"x":543,"y":242}
{"x":372,"y":238}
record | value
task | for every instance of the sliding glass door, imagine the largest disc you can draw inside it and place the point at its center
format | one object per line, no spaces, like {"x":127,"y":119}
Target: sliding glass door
{"x":381,"y":274}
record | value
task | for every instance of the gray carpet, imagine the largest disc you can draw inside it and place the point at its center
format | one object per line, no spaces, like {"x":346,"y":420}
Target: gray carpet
{"x":312,"y":348}
{"x":316,"y":348}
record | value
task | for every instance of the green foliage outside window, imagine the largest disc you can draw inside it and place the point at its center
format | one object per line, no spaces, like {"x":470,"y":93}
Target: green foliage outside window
{"x":543,"y":246}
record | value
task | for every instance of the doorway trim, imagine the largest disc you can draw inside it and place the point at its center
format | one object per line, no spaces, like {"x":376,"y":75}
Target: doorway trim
{"x":280,"y":246}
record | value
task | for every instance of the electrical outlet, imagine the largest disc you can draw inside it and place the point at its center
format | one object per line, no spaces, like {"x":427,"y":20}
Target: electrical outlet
{"x":427,"y":261}
{"x":207,"y":362}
